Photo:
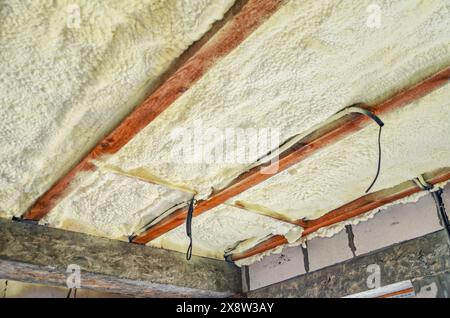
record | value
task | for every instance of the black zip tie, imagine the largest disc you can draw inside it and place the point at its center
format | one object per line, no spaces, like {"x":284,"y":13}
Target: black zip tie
{"x":189,"y":227}
{"x":358,"y":109}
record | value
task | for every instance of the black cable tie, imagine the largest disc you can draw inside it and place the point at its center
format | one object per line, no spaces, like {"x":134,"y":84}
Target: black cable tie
{"x":189,"y":227}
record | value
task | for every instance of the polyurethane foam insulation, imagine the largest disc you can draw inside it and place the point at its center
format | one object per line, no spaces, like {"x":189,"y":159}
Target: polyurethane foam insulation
{"x":110,"y":205}
{"x":309,"y":60}
{"x":222,"y":228}
{"x":63,"y":87}
{"x":373,"y":70}
{"x":331,"y":230}
{"x":414,"y":140}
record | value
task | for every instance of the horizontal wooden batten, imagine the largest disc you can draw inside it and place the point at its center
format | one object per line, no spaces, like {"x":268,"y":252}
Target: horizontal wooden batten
{"x":238,"y":24}
{"x":323,"y":137}
{"x":355,"y":208}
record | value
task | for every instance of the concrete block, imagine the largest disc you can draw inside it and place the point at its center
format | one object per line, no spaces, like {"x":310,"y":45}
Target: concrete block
{"x":397,"y":224}
{"x":324,"y":252}
{"x":276,"y":268}
{"x":424,"y":257}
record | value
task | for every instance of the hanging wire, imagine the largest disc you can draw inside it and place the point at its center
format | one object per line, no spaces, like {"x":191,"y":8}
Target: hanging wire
{"x":357,"y":108}
{"x":436,"y":194}
{"x":379,"y":160}
{"x":440,"y":207}
{"x":5,"y":289}
{"x":70,"y":292}
{"x":189,"y":227}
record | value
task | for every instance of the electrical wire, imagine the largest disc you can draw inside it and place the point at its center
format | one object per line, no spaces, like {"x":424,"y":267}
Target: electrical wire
{"x":70,"y":292}
{"x":437,"y":197}
{"x":379,"y":161}
{"x":358,"y":108}
{"x":440,"y":207}
{"x":189,"y":216}
{"x":5,"y":289}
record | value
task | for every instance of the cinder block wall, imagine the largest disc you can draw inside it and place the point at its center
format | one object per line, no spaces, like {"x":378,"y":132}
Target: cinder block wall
{"x":337,"y":266}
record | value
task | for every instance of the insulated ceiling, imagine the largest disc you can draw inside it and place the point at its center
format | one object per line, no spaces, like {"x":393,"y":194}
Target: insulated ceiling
{"x":64,"y":88}
{"x":414,"y":141}
{"x":70,"y":73}
{"x":309,"y":60}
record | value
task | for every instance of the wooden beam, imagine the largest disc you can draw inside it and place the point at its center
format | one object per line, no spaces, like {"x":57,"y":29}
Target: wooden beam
{"x":243,"y":19}
{"x":38,"y":254}
{"x":355,"y":208}
{"x":319,"y":139}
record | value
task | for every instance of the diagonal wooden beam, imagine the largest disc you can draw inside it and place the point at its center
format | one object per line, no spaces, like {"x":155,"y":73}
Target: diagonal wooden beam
{"x":275,"y":216}
{"x":355,"y":208}
{"x":239,"y":23}
{"x":331,"y":133}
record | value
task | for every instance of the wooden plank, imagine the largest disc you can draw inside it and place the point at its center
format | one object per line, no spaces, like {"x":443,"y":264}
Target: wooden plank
{"x":319,"y":139}
{"x":355,"y":208}
{"x":242,"y":20}
{"x":38,"y":254}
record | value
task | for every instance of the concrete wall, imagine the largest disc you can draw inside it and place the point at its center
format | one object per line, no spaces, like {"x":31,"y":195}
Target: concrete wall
{"x":397,"y":224}
{"x":424,"y":261}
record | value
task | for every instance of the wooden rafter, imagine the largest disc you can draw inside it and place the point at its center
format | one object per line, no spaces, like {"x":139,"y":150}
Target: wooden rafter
{"x":355,"y":208}
{"x":319,"y":139}
{"x":239,"y":23}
